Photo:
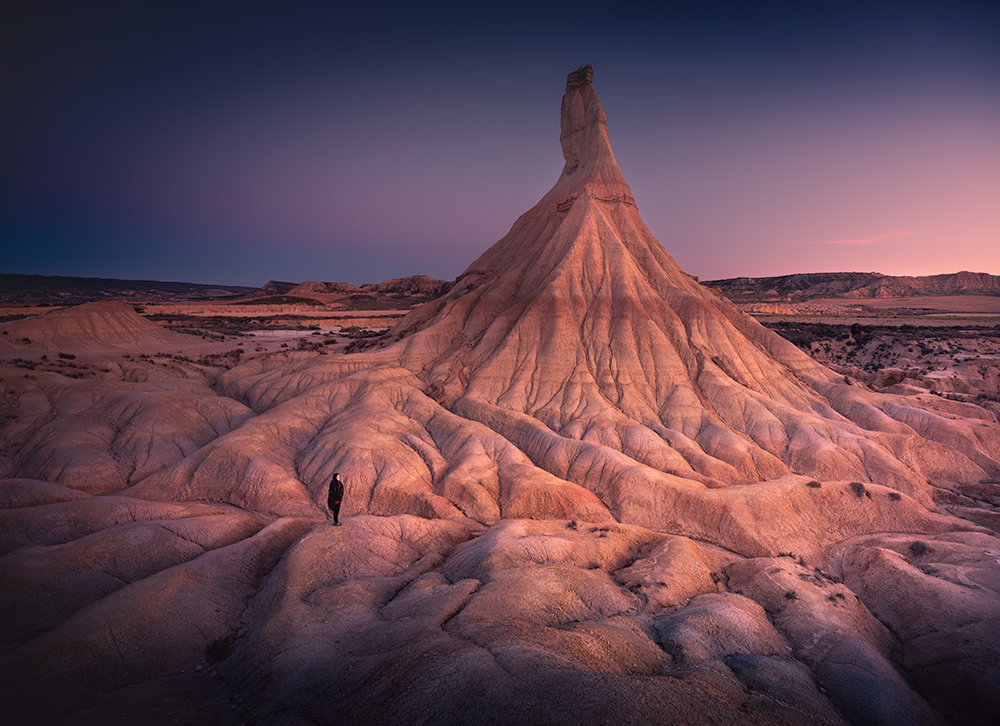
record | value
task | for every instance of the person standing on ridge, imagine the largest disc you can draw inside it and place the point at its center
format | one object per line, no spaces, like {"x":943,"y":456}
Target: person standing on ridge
{"x":334,"y":497}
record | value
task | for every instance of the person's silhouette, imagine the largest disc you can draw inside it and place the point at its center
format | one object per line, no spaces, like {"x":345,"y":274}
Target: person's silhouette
{"x":335,"y":496}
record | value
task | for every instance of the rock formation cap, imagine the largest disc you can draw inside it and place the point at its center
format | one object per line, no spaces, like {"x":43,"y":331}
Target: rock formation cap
{"x":582,"y":76}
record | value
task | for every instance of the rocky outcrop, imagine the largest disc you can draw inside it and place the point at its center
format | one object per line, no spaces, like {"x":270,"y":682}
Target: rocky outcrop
{"x":418,"y":286}
{"x":413,"y":285}
{"x":311,"y":286}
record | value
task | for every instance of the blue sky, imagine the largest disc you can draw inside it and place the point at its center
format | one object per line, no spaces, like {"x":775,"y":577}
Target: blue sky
{"x":235,"y":143}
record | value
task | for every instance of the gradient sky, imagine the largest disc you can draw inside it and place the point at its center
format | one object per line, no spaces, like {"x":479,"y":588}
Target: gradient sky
{"x":239,"y":142}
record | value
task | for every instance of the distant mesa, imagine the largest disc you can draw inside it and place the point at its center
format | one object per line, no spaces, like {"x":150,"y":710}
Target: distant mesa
{"x":57,"y":290}
{"x":413,"y":285}
{"x":860,"y":285}
{"x":274,"y":287}
{"x":312,"y":286}
{"x":416,"y":285}
{"x":42,"y":290}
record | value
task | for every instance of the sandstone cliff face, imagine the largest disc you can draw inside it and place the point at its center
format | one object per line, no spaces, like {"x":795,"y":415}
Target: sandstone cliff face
{"x":580,"y":488}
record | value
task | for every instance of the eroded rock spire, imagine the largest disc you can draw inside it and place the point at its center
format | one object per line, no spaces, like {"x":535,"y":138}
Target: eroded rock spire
{"x":590,"y":162}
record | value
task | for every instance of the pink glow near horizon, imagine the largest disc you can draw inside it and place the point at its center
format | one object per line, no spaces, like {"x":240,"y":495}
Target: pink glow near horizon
{"x":864,"y":240}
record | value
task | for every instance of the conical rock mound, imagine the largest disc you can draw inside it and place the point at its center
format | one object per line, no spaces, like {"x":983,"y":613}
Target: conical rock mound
{"x":98,"y":325}
{"x":580,"y":319}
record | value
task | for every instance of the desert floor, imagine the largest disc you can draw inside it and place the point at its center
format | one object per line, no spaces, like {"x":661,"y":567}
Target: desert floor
{"x":198,"y":609}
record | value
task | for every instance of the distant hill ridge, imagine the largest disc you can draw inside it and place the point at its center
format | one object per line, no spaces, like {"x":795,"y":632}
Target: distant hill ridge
{"x":23,"y":289}
{"x":858,"y":285}
{"x":413,"y":285}
{"x":59,"y":290}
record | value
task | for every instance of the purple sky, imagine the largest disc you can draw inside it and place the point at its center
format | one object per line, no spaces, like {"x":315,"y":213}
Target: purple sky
{"x":242,"y":142}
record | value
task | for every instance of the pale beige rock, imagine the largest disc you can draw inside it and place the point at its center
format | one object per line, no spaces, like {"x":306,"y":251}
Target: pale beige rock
{"x":673,"y":570}
{"x":357,"y":626}
{"x":98,"y":436}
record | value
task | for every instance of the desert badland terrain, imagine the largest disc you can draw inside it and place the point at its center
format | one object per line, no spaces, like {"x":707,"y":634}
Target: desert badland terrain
{"x":581,"y":488}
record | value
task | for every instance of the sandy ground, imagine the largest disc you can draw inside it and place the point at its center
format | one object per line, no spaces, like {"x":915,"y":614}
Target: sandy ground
{"x":921,"y":311}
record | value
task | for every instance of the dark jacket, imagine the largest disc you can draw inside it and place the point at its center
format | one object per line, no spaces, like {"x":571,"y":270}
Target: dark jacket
{"x":336,"y":492}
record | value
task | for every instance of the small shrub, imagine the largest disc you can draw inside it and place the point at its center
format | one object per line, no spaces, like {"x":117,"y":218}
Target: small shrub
{"x":67,"y":356}
{"x":715,"y":577}
{"x":859,"y":490}
{"x":918,"y":548}
{"x":791,"y":595}
{"x":895,"y":496}
{"x":813,"y":484}
{"x":220,"y":648}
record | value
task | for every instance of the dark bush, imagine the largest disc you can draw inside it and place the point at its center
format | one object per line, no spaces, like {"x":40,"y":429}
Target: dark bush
{"x":220,"y":648}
